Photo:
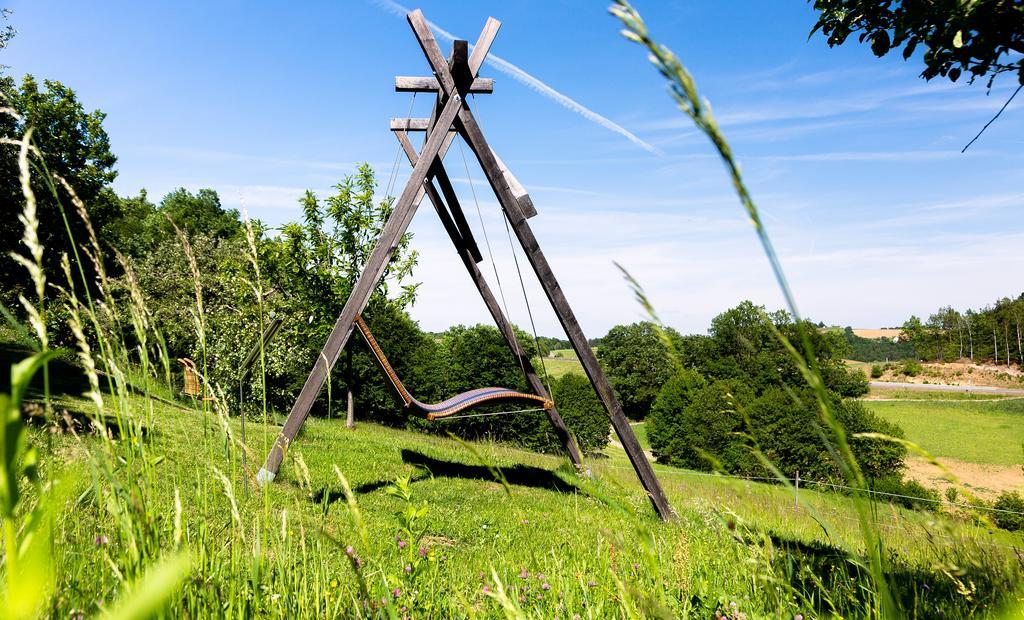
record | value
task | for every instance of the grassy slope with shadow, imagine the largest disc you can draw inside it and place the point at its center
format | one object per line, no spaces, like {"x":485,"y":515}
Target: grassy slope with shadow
{"x":548,"y":521}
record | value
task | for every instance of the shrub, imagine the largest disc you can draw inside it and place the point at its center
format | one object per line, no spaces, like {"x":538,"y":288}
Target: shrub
{"x":911,"y":368}
{"x":637,"y":364}
{"x":876,"y":371}
{"x":912,"y":493}
{"x":952,"y":495}
{"x":1013,"y":502}
{"x":692,"y":420}
{"x":692,"y":423}
{"x":582,"y":411}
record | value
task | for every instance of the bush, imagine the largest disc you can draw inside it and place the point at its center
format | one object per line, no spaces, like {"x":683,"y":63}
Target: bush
{"x":637,"y":364}
{"x":583,"y":414}
{"x":876,"y":371}
{"x":913,"y":494}
{"x":911,"y":368}
{"x":692,"y":422}
{"x":1013,"y":502}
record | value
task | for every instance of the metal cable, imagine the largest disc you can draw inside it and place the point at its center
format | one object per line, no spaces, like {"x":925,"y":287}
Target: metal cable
{"x":487,"y":241}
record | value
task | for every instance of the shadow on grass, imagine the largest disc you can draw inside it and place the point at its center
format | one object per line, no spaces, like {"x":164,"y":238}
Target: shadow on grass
{"x":517,"y":475}
{"x":930,"y":593}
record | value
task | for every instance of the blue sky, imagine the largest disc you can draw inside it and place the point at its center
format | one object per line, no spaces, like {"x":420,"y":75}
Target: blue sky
{"x":854,"y":161}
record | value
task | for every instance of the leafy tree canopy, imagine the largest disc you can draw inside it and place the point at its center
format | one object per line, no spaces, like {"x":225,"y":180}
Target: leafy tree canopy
{"x":76,"y":147}
{"x":979,"y":38}
{"x":638,"y":364}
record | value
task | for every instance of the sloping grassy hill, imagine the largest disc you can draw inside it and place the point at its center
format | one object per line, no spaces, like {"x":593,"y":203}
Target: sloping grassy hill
{"x":478,"y":528}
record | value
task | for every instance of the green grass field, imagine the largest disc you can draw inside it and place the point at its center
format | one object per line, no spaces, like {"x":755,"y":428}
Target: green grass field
{"x":562,"y":362}
{"x":583,"y":538}
{"x":978,"y":432}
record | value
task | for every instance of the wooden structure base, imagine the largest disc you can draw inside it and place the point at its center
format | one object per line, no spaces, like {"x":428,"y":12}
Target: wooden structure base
{"x":453,"y":80}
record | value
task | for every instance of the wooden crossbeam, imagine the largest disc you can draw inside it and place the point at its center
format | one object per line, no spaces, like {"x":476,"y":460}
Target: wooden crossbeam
{"x":522,"y":196}
{"x":414,"y":84}
{"x":470,"y":132}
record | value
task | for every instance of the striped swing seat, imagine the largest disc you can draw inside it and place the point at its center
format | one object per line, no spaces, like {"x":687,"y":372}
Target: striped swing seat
{"x":453,"y":405}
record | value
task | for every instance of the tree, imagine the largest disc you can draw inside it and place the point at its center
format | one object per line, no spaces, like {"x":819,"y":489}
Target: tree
{"x":75,"y":146}
{"x":977,"y":38}
{"x":637,"y":363}
{"x":7,"y":32}
{"x":194,"y":214}
{"x":322,"y":257}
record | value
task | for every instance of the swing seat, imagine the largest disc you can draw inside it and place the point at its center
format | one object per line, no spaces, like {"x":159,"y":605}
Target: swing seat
{"x":453,"y":405}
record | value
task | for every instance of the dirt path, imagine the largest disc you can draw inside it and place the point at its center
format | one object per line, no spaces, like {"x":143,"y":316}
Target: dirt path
{"x":941,"y":387}
{"x":987,"y":481}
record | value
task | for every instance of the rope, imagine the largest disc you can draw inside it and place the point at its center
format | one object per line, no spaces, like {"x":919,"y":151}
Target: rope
{"x":398,"y":153}
{"x":487,"y":240}
{"x":485,"y":415}
{"x":522,"y":285}
{"x":529,"y":312}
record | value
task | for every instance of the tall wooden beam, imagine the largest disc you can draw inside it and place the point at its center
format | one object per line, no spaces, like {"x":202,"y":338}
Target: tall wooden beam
{"x":376,"y":264}
{"x":470,"y":131}
{"x":504,"y":325}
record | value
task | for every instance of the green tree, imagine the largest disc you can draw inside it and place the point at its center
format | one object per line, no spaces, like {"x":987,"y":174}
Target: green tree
{"x":637,"y":363}
{"x":76,"y":147}
{"x":321,"y":258}
{"x":198,"y":213}
{"x":976,"y":38}
{"x":582,"y":411}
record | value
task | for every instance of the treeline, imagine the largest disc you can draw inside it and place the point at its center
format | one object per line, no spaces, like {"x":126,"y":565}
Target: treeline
{"x":207,"y":283}
{"x":713,"y":401}
{"x":877,"y":349}
{"x":991,"y":334}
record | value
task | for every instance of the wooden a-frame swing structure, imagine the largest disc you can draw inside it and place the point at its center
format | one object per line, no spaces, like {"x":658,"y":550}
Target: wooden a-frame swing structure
{"x":455,"y":80}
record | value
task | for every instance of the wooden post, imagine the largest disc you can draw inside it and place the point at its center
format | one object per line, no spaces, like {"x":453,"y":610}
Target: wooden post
{"x":561,"y":430}
{"x":796,"y":494}
{"x":471,"y":133}
{"x":373,"y":270}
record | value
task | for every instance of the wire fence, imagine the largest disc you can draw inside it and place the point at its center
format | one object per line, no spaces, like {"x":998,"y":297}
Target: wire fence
{"x":797,"y":481}
{"x":905,"y":527}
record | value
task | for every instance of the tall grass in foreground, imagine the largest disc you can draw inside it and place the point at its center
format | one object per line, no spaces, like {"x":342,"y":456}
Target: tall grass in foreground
{"x":684,"y":91}
{"x":144,"y":501}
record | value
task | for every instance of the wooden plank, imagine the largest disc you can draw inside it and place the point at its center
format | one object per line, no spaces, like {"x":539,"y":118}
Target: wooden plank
{"x":441,"y":176}
{"x":390,"y":238}
{"x":410,"y":124}
{"x":471,"y":132}
{"x":433,"y":53}
{"x":523,"y":198}
{"x":416,"y":84}
{"x":483,"y":45}
{"x":561,"y":430}
{"x":250,"y":359}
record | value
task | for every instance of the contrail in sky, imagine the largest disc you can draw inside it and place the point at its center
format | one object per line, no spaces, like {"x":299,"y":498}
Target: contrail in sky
{"x":528,"y":80}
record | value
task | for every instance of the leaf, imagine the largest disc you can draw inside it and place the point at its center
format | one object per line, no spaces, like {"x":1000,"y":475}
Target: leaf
{"x":908,"y":51}
{"x":958,"y":39}
{"x":148,"y":597}
{"x":954,"y":73}
{"x":880,"y":43}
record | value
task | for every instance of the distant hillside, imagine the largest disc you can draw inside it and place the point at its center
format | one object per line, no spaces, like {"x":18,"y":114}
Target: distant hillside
{"x":876,"y":345}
